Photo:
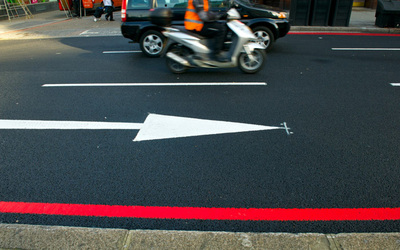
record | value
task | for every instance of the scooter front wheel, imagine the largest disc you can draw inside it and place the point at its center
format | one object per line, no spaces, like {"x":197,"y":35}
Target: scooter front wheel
{"x":253,"y":64}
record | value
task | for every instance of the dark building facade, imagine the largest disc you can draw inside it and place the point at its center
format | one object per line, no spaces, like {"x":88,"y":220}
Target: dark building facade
{"x":285,"y":4}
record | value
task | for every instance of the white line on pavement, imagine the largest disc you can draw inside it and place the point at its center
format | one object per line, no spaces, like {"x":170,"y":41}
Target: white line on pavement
{"x":121,"y":52}
{"x":86,"y":32}
{"x":395,"y":84}
{"x":367,"y":49}
{"x":39,"y":124}
{"x":156,"y":84}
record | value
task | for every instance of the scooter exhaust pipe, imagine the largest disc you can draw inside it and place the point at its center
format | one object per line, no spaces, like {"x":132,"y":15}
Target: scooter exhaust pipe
{"x":178,"y":59}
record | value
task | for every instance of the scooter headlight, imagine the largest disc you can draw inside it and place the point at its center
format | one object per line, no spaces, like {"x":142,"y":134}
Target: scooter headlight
{"x":280,"y":15}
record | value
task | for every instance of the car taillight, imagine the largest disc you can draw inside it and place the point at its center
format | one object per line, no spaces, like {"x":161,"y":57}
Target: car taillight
{"x":123,"y":11}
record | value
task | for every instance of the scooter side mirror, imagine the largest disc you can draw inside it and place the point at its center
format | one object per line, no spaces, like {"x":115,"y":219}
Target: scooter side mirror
{"x":229,"y":3}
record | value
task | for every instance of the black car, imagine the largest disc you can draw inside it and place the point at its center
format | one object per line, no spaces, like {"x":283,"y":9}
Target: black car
{"x":267,"y":24}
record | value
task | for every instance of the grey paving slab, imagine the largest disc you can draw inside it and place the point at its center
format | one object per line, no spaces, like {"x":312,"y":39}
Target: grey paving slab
{"x":46,"y":237}
{"x":13,"y":236}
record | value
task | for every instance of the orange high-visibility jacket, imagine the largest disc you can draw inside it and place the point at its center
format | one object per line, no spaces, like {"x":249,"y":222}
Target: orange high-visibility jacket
{"x":192,"y":19}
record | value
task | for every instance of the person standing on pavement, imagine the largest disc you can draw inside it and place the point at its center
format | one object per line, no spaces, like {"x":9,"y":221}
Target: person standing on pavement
{"x":109,"y":9}
{"x":77,"y":8}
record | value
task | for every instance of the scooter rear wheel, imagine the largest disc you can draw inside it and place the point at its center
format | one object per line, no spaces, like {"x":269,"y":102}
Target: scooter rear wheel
{"x":252,"y":66}
{"x":174,"y":66}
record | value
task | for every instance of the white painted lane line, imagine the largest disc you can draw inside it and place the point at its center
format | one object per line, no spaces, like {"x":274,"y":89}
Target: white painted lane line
{"x":367,"y":49}
{"x":40,"y":124}
{"x":87,"y":32}
{"x":156,"y":84}
{"x":395,"y":84}
{"x":122,"y":52}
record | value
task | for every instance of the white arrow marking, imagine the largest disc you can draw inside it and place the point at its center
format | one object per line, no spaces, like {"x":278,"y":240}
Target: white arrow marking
{"x":155,"y":127}
{"x":165,"y":127}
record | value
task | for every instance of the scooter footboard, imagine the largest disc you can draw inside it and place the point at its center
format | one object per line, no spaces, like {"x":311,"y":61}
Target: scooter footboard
{"x":250,"y":47}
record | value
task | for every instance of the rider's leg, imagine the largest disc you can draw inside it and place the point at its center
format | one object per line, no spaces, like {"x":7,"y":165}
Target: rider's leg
{"x":216,"y":31}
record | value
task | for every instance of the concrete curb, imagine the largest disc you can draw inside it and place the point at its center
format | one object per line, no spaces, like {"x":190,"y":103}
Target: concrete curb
{"x":55,"y":237}
{"x":345,"y":29}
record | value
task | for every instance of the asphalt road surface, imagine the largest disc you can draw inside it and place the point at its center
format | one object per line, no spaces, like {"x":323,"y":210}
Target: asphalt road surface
{"x":338,"y":155}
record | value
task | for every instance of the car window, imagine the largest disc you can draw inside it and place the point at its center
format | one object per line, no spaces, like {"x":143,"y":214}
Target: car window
{"x":139,"y":4}
{"x":217,"y":4}
{"x":172,"y":3}
{"x":245,"y":2}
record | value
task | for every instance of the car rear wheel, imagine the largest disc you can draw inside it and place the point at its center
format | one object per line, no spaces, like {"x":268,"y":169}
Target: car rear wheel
{"x":152,"y":43}
{"x":264,"y":37}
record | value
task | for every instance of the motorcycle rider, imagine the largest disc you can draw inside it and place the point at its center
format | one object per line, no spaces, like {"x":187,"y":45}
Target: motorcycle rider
{"x":200,"y":19}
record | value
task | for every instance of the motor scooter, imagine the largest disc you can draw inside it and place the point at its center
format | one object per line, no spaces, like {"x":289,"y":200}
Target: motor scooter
{"x":186,"y":49}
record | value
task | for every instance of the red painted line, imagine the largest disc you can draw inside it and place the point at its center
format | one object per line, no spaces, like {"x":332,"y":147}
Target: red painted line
{"x":35,"y":27}
{"x":203,"y":213}
{"x":340,"y":33}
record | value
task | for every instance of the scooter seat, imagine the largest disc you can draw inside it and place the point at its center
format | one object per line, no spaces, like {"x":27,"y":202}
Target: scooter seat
{"x":183,"y":30}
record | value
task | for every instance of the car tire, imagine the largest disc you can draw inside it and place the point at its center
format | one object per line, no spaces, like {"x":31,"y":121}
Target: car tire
{"x":264,"y":37}
{"x":152,"y":43}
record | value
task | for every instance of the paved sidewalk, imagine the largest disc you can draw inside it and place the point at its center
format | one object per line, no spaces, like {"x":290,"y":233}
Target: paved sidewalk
{"x":55,"y":24}
{"x":13,"y":236}
{"x":55,"y":237}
